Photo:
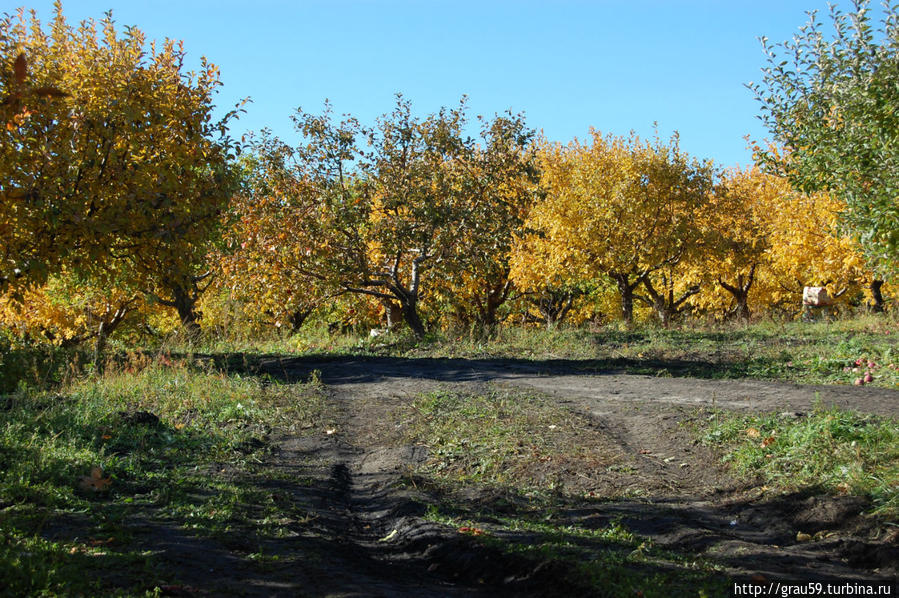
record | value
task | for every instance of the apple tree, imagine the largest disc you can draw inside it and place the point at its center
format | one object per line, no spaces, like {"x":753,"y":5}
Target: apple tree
{"x":832,"y":103}
{"x":110,"y":158}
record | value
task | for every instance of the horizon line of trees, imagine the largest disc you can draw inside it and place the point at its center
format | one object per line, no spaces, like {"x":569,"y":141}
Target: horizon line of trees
{"x":122,"y":202}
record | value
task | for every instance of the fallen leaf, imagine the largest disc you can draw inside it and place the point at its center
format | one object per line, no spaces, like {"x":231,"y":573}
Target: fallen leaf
{"x":471,"y":531}
{"x":752,"y":433}
{"x":767,"y":441}
{"x":95,"y":482}
{"x":802,"y":537}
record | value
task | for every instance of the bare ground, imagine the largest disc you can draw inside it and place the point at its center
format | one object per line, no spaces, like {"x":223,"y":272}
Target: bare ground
{"x":365,"y":532}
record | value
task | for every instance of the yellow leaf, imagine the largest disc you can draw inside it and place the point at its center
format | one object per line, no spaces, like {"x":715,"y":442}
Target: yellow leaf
{"x":95,"y":482}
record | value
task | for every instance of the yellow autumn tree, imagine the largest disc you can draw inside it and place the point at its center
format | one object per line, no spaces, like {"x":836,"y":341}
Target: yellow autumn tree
{"x":623,"y":208}
{"x":735,"y":268}
{"x":807,"y":248}
{"x":769,"y":242}
{"x":548,"y":279}
{"x":273,"y":238}
{"x":65,"y":311}
{"x":498,"y":179}
{"x":122,"y":167}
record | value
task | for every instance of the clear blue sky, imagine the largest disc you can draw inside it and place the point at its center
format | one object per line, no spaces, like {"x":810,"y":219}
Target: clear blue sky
{"x":569,"y":65}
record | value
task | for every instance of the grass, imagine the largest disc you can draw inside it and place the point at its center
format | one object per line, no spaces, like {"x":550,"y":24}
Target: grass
{"x":610,"y":560}
{"x":842,"y":452}
{"x":803,"y":352}
{"x":173,"y":443}
{"x":823,"y":352}
{"x":503,"y":437}
{"x":501,"y":445}
{"x":811,"y":353}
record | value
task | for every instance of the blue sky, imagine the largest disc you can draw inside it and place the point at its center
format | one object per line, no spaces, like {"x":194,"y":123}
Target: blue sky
{"x":569,"y":65}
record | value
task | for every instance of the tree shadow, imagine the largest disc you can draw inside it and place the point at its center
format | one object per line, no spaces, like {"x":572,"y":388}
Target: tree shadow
{"x":341,"y":369}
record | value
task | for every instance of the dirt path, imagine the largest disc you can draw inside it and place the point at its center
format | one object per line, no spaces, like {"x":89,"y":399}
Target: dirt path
{"x":573,"y":379}
{"x":367,"y":534}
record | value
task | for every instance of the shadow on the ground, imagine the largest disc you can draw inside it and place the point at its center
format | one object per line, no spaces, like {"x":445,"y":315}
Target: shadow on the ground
{"x":342,"y":369}
{"x":366,"y":534}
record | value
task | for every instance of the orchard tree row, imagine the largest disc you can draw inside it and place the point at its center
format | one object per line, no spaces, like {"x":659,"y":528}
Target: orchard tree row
{"x":123,"y":202}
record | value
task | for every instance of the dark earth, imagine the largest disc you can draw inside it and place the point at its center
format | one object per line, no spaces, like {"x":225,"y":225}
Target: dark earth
{"x":365,"y":534}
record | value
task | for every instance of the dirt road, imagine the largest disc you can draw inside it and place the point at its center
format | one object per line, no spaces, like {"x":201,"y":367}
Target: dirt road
{"x":368,"y":535}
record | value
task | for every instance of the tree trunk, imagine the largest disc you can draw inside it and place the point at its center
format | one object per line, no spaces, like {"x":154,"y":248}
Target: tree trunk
{"x":626,"y":291}
{"x":740,"y":292}
{"x":663,"y":314}
{"x":100,"y":347}
{"x":554,"y":305}
{"x":412,"y":318}
{"x":186,"y":305}
{"x":665,"y":304}
{"x":877,"y":296}
{"x":107,"y":327}
{"x":392,"y":313}
{"x":742,"y":306}
{"x":298,"y":318}
{"x":496,"y":296}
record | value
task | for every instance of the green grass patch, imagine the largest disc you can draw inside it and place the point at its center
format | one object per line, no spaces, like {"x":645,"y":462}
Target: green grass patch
{"x":502,"y":437}
{"x":155,"y":440}
{"x":811,"y":353}
{"x":822,"y":352}
{"x":840,"y":451}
